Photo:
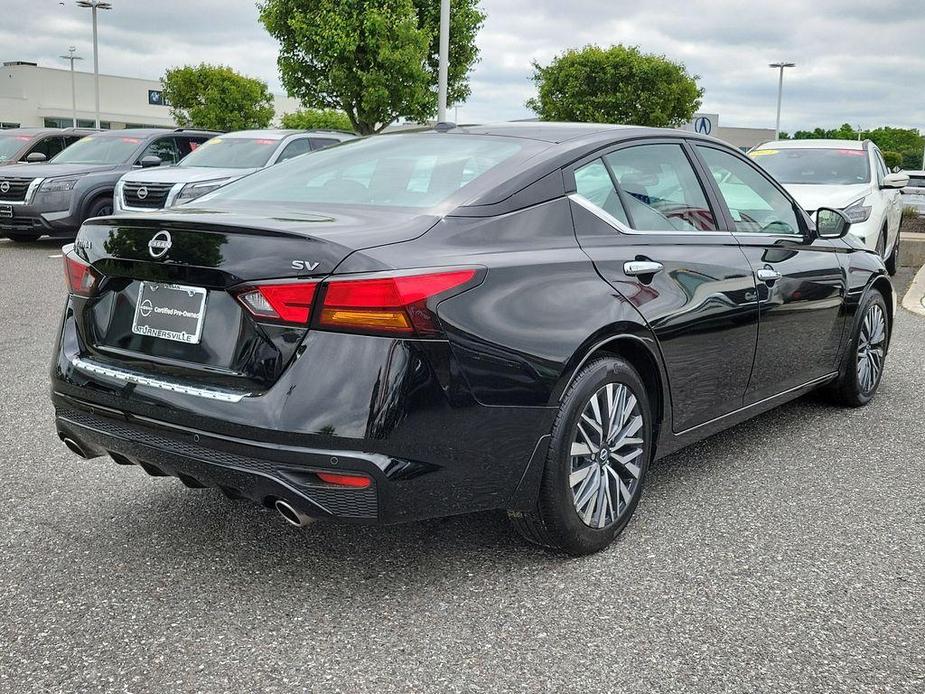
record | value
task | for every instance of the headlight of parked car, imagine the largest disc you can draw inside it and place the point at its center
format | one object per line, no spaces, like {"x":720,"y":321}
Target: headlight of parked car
{"x":58,"y":185}
{"x":856,"y":212}
{"x":192,"y":191}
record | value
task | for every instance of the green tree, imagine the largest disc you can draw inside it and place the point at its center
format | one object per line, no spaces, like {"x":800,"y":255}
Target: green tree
{"x":375,"y":60}
{"x":892,"y":159}
{"x":619,"y":84}
{"x":215,"y":97}
{"x":317,"y":118}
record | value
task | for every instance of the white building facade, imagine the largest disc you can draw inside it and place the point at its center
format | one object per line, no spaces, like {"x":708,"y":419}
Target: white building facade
{"x":34,"y":96}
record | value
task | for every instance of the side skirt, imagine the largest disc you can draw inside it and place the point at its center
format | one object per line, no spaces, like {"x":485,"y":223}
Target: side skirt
{"x":674,"y":442}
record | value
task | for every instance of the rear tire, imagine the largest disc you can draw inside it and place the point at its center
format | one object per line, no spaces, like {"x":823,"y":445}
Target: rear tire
{"x":589,"y":491}
{"x":866,"y":357}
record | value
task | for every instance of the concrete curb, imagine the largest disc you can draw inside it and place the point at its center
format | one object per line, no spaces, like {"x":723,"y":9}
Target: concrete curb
{"x":914,"y":300}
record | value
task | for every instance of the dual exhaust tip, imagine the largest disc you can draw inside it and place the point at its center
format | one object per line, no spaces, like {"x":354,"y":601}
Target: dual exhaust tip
{"x":290,"y":514}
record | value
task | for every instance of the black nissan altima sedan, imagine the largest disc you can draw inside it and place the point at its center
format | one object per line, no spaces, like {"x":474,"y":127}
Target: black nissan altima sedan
{"x":518,"y":317}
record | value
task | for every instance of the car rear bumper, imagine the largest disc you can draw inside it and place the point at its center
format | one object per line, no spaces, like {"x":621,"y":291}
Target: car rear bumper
{"x":393,"y":410}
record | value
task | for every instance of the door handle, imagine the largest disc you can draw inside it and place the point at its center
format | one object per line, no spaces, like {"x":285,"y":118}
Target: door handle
{"x":768,"y":275}
{"x":634,"y":268}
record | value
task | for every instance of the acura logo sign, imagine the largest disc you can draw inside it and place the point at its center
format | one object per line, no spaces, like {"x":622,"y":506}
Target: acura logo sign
{"x":142,"y":193}
{"x":159,"y":244}
{"x":5,"y":187}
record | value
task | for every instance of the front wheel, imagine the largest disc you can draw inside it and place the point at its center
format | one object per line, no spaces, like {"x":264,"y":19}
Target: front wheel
{"x":597,"y":461}
{"x":866,"y":356}
{"x":101,"y":207}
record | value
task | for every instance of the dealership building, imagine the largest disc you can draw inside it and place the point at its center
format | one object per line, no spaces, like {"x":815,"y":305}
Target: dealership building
{"x":31,"y":96}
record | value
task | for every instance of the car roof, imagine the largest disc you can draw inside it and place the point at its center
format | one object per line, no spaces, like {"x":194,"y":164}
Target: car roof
{"x":281,"y":133}
{"x":814,"y":144}
{"x":144,"y":133}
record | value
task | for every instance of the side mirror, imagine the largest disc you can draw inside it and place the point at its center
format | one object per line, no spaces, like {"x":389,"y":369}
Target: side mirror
{"x":831,"y":224}
{"x":895,"y":180}
{"x":36,"y":157}
{"x":150,"y":161}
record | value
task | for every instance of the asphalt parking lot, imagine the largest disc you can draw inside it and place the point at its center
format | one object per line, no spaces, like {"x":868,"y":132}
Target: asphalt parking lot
{"x":787,"y":554}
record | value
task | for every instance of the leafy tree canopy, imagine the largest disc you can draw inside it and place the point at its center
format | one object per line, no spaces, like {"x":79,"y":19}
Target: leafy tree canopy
{"x":317,"y":118}
{"x":374,"y":60}
{"x":215,"y":97}
{"x":619,"y":84}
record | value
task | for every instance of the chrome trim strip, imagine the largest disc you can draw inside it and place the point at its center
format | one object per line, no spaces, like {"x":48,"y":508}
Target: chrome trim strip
{"x":623,"y":229}
{"x":139,"y":379}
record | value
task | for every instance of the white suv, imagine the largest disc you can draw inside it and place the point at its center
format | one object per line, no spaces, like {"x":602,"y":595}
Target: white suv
{"x":214,"y":163}
{"x":849,"y":175}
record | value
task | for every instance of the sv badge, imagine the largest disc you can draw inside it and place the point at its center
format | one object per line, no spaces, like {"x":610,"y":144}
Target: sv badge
{"x":304,"y":265}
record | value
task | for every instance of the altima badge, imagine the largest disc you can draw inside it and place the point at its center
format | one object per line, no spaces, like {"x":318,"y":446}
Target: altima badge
{"x":159,"y":244}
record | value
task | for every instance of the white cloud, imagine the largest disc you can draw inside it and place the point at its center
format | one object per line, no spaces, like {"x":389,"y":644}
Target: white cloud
{"x":858,"y":62}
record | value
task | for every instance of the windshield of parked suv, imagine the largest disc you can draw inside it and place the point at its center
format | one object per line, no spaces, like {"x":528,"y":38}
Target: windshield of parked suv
{"x":815,"y":165}
{"x":107,"y":149}
{"x":232,"y":153}
{"x":10,"y":144}
{"x":392,"y":170}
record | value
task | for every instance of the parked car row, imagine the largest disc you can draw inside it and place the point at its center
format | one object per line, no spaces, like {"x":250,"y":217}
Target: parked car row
{"x":914,"y":192}
{"x":84,"y":178}
{"x":519,"y":316}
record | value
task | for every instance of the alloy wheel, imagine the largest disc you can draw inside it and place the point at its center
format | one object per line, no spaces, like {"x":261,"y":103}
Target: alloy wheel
{"x":607,"y":456}
{"x":871,"y":348}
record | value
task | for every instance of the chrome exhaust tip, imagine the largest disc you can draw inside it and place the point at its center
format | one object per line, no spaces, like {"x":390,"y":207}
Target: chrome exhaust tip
{"x":75,"y":447}
{"x":291,"y":514}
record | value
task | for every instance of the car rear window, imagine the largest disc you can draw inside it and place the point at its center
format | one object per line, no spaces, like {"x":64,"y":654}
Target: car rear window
{"x":417,"y":171}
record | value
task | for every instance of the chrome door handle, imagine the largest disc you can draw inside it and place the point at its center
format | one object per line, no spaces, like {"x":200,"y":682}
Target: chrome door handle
{"x":768,"y":275}
{"x":634,"y":268}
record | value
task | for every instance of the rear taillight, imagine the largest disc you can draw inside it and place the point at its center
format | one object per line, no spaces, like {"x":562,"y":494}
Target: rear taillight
{"x":81,"y":278}
{"x":401,"y":305}
{"x":282,"y":302}
{"x":341,"y":480}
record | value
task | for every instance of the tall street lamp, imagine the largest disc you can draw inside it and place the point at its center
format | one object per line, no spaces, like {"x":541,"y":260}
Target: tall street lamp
{"x":780,"y":92}
{"x":72,"y":57}
{"x":95,"y":5}
{"x":444,"y":61}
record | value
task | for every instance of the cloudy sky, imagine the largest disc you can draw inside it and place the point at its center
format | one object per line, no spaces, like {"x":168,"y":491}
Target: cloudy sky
{"x":858,"y":61}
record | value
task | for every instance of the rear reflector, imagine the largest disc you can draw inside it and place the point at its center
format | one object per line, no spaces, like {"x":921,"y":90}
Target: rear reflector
{"x":289,"y":303}
{"x":388,"y":305}
{"x":358,"y":481}
{"x":81,"y":278}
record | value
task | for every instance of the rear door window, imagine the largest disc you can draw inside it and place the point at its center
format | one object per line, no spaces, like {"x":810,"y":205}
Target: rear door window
{"x":322,"y":142}
{"x":49,"y":146}
{"x":661,"y":190}
{"x":295,"y":149}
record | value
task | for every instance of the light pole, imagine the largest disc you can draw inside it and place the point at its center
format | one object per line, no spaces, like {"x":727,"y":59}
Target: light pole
{"x":95,"y":5}
{"x":780,"y":92}
{"x":72,"y":57}
{"x":443,"y":66}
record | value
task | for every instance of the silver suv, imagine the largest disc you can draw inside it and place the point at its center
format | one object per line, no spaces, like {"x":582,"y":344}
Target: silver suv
{"x":221,"y":160}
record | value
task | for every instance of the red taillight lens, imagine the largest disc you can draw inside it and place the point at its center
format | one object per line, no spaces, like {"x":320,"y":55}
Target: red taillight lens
{"x":387,"y":305}
{"x":81,"y":278}
{"x":357,"y":481}
{"x":288,"y":303}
